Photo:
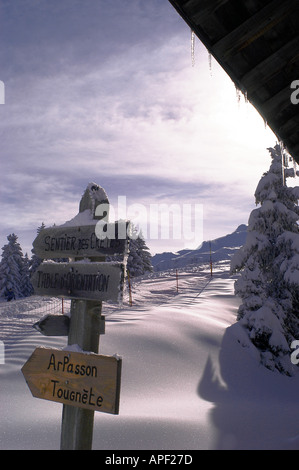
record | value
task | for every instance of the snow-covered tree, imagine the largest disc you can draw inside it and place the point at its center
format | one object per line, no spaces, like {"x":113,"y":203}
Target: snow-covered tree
{"x":35,"y":260}
{"x":26,"y":286}
{"x":139,"y":259}
{"x":11,"y":267}
{"x":269,"y":267}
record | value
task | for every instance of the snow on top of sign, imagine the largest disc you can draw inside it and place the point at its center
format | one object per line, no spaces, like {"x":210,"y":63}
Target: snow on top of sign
{"x":76,"y":348}
{"x":82,"y":261}
{"x":96,"y":192}
{"x":73,"y":348}
{"x":82,"y":218}
{"x":86,"y":215}
{"x":117,"y":357}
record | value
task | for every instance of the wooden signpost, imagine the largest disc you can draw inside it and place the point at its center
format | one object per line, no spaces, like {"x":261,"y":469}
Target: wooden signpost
{"x":83,"y":382}
{"x":88,"y":381}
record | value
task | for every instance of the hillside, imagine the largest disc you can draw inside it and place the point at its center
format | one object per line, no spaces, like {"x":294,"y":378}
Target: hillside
{"x":221,"y":249}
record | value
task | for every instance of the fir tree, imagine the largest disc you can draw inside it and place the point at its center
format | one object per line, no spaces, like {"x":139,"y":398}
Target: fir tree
{"x":26,"y":286}
{"x":269,"y":267}
{"x":11,"y":267}
{"x":35,"y":260}
{"x":139,"y":259}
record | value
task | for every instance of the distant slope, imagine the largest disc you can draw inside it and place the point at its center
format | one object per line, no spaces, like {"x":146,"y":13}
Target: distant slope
{"x":222,"y":249}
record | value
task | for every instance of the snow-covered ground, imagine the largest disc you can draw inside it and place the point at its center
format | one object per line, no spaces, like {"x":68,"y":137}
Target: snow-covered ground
{"x":186,"y":381}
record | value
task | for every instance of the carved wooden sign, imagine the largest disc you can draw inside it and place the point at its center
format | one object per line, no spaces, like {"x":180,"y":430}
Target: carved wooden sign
{"x":80,"y":280}
{"x":101,"y":239}
{"x":85,"y":380}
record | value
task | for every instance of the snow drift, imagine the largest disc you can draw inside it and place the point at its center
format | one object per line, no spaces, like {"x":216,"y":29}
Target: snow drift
{"x":190,"y":379}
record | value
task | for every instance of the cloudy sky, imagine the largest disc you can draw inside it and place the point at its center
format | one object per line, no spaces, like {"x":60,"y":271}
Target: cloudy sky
{"x":106,"y":91}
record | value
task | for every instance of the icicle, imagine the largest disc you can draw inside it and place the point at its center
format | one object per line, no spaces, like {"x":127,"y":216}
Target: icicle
{"x":192,"y":48}
{"x":282,"y":162}
{"x":294,"y":165}
{"x":238,"y":94}
{"x":210,"y":62}
{"x":286,"y":160}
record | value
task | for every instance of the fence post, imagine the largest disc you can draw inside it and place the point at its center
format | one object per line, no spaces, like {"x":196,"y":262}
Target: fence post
{"x":211,"y":268}
{"x":130,"y":290}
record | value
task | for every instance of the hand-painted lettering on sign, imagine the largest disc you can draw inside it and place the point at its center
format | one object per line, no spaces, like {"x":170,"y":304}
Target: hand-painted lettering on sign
{"x":83,"y":241}
{"x":88,"y":381}
{"x":90,"y":281}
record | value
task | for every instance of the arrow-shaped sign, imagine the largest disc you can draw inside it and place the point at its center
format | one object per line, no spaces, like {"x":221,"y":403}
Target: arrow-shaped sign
{"x":53,"y":325}
{"x":59,"y":325}
{"x":85,"y":380}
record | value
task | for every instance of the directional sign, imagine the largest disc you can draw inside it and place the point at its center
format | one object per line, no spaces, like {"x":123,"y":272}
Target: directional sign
{"x":78,"y":280}
{"x":59,"y":325}
{"x":53,"y":325}
{"x":89,"y":381}
{"x":101,"y":239}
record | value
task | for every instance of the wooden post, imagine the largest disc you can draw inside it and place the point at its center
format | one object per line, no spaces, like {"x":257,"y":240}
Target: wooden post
{"x":77,"y":423}
{"x":130,"y":290}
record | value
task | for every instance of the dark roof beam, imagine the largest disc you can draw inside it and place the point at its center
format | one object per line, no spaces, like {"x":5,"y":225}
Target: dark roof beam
{"x":255,"y":27}
{"x":271,"y":66}
{"x":207,"y":8}
{"x":294,"y":152}
{"x":277,"y":103}
{"x":290,"y":126}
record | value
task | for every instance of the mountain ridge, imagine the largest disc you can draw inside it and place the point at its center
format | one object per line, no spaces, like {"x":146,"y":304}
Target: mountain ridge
{"x":222,"y":248}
